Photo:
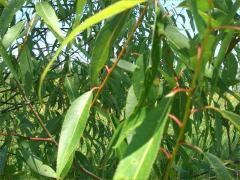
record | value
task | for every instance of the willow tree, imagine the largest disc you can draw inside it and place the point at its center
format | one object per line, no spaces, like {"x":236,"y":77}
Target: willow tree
{"x":119,"y":89}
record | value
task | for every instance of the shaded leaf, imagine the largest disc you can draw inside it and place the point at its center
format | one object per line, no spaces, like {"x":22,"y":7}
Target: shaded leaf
{"x":8,"y":60}
{"x":218,"y":166}
{"x":104,"y":43}
{"x":35,"y":163}
{"x":26,"y":68}
{"x":70,"y":88}
{"x":232,"y":117}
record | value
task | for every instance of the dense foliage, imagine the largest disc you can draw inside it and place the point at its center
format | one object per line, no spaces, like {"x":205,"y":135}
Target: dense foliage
{"x":119,"y":89}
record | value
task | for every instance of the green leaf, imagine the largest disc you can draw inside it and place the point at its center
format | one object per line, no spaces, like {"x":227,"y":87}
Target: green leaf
{"x":131,"y":102}
{"x":230,"y":69}
{"x":8,"y":60}
{"x":144,"y":147}
{"x":12,"y":34}
{"x":72,"y":129}
{"x":67,"y":166}
{"x":139,"y":77}
{"x":130,"y":124}
{"x":70,"y":88}
{"x":104,"y":43}
{"x":26,"y":68}
{"x":232,"y":117}
{"x":8,"y":13}
{"x":125,"y":65}
{"x":79,"y":10}
{"x":176,"y":38}
{"x":217,"y":166}
{"x":198,"y":19}
{"x":223,"y":49}
{"x":34,"y":163}
{"x":45,"y":10}
{"x":110,"y":11}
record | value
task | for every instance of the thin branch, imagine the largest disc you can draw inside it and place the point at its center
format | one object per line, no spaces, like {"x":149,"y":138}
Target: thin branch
{"x":26,"y":138}
{"x":130,"y":36}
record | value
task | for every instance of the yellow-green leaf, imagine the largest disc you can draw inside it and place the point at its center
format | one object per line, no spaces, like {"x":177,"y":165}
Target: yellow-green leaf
{"x":45,"y":10}
{"x":110,"y":11}
{"x":72,"y":129}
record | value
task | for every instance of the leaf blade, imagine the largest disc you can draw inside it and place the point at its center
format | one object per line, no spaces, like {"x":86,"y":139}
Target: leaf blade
{"x":45,"y":10}
{"x":72,"y":129}
{"x":217,"y":166}
{"x":143,"y":149}
{"x":104,"y":14}
{"x":104,"y":43}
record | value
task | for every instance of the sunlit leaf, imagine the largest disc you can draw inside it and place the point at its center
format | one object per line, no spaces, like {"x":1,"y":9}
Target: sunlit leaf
{"x":12,"y":34}
{"x":72,"y":129}
{"x":131,"y":102}
{"x":110,"y":11}
{"x":45,"y":10}
{"x":79,"y":10}
{"x":143,"y":149}
{"x":175,"y":37}
{"x":104,"y":43}
{"x":125,"y":65}
{"x":8,"y":14}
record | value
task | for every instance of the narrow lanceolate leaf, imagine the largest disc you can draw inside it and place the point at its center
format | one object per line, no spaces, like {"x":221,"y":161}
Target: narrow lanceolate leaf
{"x":72,"y":129}
{"x":70,"y":88}
{"x":8,"y":60}
{"x":12,"y":34}
{"x":198,"y":19}
{"x":143,"y":149}
{"x":26,"y":69}
{"x":35,"y":163}
{"x":110,"y":11}
{"x":8,"y":13}
{"x":79,"y":10}
{"x":45,"y":10}
{"x":176,"y":38}
{"x":125,"y":65}
{"x":218,"y":167}
{"x":232,"y":117}
{"x":104,"y":43}
{"x":131,"y":102}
